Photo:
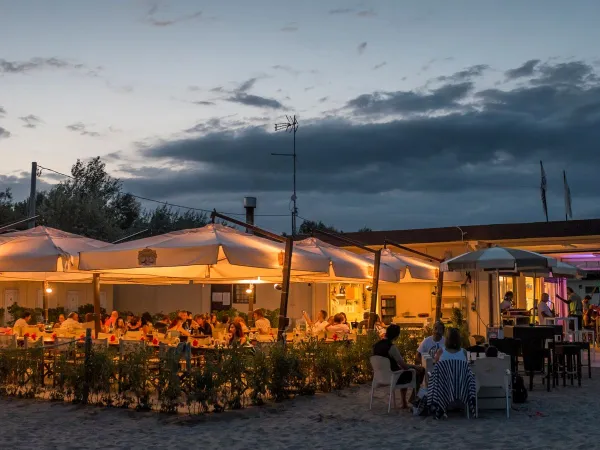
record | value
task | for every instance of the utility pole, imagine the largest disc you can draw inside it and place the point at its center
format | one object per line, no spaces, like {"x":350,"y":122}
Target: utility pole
{"x":33,"y":194}
{"x":290,"y":126}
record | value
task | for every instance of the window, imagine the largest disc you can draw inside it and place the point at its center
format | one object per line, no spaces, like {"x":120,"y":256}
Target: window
{"x":240,"y":294}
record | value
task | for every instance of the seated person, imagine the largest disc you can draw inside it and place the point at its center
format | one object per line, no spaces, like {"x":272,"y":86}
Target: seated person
{"x":242,"y":323}
{"x":201,"y":325}
{"x":236,"y":334}
{"x":544,"y":311}
{"x":387,"y":349}
{"x":262,"y":324}
{"x":452,"y":349}
{"x":177,"y":325}
{"x":507,"y":303}
{"x":146,"y":322}
{"x":491,"y":352}
{"x":134,"y":324}
{"x":338,"y":326}
{"x":318,"y":326}
{"x":23,"y":321}
{"x":223,"y":323}
{"x":431,"y":344}
{"x":61,"y":319}
{"x":72,"y":321}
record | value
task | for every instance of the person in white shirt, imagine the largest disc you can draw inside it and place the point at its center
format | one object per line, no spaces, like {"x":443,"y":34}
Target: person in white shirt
{"x":319,"y":325}
{"x":338,"y":326}
{"x":433,"y":343}
{"x":71,"y":322}
{"x":507,"y":303}
{"x":261,"y":322}
{"x":544,"y":310}
{"x":22,"y":322}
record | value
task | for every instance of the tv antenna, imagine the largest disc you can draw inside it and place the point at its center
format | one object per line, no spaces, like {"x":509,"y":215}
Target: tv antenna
{"x":290,"y":126}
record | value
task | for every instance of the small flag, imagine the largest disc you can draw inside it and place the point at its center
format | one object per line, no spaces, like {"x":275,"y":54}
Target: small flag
{"x":568,"y":210}
{"x":543,"y":191}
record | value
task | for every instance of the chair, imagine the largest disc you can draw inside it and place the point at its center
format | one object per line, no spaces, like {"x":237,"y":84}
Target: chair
{"x":452,"y":381}
{"x":8,"y":341}
{"x":493,"y":374}
{"x":383,"y":376}
{"x":99,"y":344}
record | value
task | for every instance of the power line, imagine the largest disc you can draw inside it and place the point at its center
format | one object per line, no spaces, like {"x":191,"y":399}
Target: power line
{"x":208,"y":211}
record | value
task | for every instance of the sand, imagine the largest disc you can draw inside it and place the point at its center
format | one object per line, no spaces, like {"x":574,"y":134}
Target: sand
{"x":563,"y":418}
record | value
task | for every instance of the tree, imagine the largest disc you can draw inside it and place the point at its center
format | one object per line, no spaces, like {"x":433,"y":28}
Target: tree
{"x":165,"y":219}
{"x":364,"y":230}
{"x":91,"y":203}
{"x":308,"y":226}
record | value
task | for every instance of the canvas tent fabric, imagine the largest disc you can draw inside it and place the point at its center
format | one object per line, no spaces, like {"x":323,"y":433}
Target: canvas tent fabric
{"x":214,"y":253}
{"x":346,"y":265}
{"x":499,"y":258}
{"x":414,"y":269}
{"x":43,"y":249}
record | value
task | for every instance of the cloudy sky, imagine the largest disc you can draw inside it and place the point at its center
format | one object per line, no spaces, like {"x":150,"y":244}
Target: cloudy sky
{"x":412,"y":113}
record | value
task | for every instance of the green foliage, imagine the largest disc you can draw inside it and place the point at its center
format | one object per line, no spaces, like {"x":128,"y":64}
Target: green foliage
{"x":308,"y":226}
{"x":218,"y":380}
{"x":54,"y":313}
{"x":82,"y":310}
{"x":458,"y":321}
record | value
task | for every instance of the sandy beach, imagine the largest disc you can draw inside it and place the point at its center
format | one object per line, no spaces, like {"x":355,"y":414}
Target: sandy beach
{"x":563,"y":418}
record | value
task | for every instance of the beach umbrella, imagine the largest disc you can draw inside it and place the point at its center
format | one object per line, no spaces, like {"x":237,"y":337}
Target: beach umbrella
{"x":500,"y":259}
{"x":214,"y":253}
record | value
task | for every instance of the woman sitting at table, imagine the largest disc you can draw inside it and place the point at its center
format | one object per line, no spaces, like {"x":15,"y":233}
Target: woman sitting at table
{"x":338,"y":327}
{"x":61,"y":319}
{"x":242,"y":323}
{"x":201,"y":325}
{"x":147,"y":326}
{"x":237,"y":336}
{"x":120,"y":327}
{"x":452,"y":350}
{"x":177,"y":325}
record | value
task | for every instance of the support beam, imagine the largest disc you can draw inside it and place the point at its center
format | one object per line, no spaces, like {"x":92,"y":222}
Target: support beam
{"x":285,"y":287}
{"x":374,"y":289}
{"x":45,"y":293}
{"x":410,"y":250}
{"x":438,"y":295}
{"x":33,"y":194}
{"x":96,"y":288}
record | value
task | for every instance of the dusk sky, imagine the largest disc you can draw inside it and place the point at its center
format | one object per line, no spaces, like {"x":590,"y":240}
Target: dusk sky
{"x":412,"y":113}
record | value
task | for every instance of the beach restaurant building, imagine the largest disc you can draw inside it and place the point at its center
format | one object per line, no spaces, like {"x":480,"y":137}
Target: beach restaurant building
{"x":411,"y":301}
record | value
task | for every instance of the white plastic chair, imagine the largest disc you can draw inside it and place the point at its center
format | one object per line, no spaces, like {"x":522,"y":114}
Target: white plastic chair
{"x":383,"y":376}
{"x":493,"y":373}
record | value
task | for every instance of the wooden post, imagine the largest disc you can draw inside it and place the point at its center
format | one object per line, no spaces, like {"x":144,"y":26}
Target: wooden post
{"x":97,"y":314}
{"x":438,"y":295}
{"x":375,"y":289}
{"x":45,"y":287}
{"x":87,"y":378}
{"x":285,"y":287}
{"x":33,"y":195}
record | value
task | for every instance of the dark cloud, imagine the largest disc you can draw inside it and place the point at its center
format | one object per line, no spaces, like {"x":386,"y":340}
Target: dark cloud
{"x":2,"y":111}
{"x":466,"y":74}
{"x":525,"y":70}
{"x":380,"y":65}
{"x":366,"y":13}
{"x":323,"y":99}
{"x":290,"y":27}
{"x":4,"y":133}
{"x":203,"y":103}
{"x":33,"y":64}
{"x":81,"y":128}
{"x":361,"y":48}
{"x":449,"y":156}
{"x":570,"y":73}
{"x":217,"y":89}
{"x":31,"y":121}
{"x":247,"y":85}
{"x":152,"y":20}
{"x":254,"y":100}
{"x":444,"y":98}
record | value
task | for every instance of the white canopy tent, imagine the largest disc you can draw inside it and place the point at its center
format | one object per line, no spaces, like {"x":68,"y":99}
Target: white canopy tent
{"x":414,"y":269}
{"x":345,"y":265}
{"x":212,"y":254}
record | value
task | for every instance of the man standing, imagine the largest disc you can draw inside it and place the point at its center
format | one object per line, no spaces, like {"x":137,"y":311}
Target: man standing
{"x":544,"y":311}
{"x":575,"y":307}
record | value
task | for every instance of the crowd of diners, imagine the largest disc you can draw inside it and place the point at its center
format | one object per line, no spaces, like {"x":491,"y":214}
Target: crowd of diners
{"x":185,"y":323}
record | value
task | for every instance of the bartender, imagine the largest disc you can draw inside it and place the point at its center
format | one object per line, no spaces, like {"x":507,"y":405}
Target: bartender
{"x":575,"y":307}
{"x":507,"y":303}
